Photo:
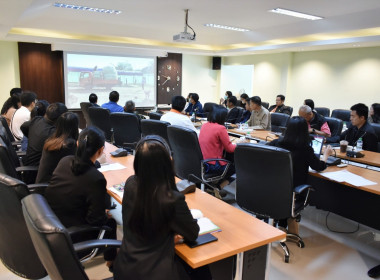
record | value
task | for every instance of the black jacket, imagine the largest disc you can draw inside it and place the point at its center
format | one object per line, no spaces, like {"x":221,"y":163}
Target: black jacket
{"x":280,"y":109}
{"x":154,"y":259}
{"x":233,"y":115}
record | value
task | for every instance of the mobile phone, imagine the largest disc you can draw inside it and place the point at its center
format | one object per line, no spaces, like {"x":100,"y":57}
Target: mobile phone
{"x":202,"y":239}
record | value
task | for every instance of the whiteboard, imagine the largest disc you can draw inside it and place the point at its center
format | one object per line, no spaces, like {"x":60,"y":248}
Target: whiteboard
{"x":237,"y":78}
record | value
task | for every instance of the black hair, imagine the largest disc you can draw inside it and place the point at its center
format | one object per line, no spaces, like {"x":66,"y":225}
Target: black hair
{"x":178,"y":103}
{"x":93,"y":98}
{"x":114,"y":96}
{"x":90,"y":140}
{"x":55,"y":110}
{"x":15,"y":90}
{"x":40,"y":109}
{"x":195,"y":97}
{"x":66,"y":132}
{"x":218,"y":114}
{"x":152,"y":210}
{"x":244,"y":96}
{"x":361,"y":110}
{"x":376,"y":112}
{"x":27,"y":97}
{"x":129,"y":106}
{"x":282,"y":97}
{"x":297,"y":134}
{"x":256,"y":100}
{"x":232,"y":100}
{"x":310,"y":103}
{"x":229,"y":93}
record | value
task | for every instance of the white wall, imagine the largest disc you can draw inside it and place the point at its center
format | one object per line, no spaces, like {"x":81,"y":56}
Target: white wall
{"x":198,"y":77}
{"x":332,"y":78}
{"x":9,"y":69}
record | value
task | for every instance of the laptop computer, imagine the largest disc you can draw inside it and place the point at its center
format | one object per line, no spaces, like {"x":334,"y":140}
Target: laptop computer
{"x":317,"y":144}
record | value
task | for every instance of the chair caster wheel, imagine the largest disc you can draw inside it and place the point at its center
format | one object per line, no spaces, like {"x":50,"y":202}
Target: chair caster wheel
{"x":301,"y":244}
{"x":286,"y":259}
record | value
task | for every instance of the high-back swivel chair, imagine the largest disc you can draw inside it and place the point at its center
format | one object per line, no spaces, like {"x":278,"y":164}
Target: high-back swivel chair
{"x":17,"y":252}
{"x":85,"y":106}
{"x":376,"y":127}
{"x":265,"y":190}
{"x":341,"y":114}
{"x":155,"y":127}
{"x":100,"y":117}
{"x":278,"y":121}
{"x":53,"y":243}
{"x":126,"y":129}
{"x":335,"y":125}
{"x":323,"y":111}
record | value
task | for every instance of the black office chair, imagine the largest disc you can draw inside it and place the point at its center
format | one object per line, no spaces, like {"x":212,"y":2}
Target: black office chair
{"x":53,"y":243}
{"x":265,"y":105}
{"x":341,"y":114}
{"x":155,"y":115}
{"x":290,"y":110}
{"x":126,"y":129}
{"x":376,"y":127}
{"x":207,"y":108}
{"x":188,"y":158}
{"x":9,"y":166}
{"x":155,"y":127}
{"x":17,"y":252}
{"x":323,"y":111}
{"x":278,"y":121}
{"x":84,"y":106}
{"x":335,"y":125}
{"x":100,"y":117}
{"x":269,"y":192}
{"x":15,"y":156}
{"x":234,"y":119}
{"x":7,"y":129}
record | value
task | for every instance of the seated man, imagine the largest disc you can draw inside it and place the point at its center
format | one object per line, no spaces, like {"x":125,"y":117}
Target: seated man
{"x":175,"y":116}
{"x":316,"y":122}
{"x":40,"y":129}
{"x":280,"y":106}
{"x":112,"y":104}
{"x":93,"y":98}
{"x":360,"y":128}
{"x":195,"y":106}
{"x":28,"y":102}
{"x":247,"y":112}
{"x":233,"y":114}
{"x":130,"y":107}
{"x":260,"y":117}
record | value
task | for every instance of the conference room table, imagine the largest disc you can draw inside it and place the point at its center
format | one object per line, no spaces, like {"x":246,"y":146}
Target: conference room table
{"x":255,"y":134}
{"x":243,"y":239}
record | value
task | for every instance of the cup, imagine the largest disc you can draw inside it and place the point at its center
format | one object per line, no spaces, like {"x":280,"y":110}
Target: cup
{"x":343,"y":146}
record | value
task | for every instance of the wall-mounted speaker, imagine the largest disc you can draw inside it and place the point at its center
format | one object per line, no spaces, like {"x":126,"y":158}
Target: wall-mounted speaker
{"x":216,"y":62}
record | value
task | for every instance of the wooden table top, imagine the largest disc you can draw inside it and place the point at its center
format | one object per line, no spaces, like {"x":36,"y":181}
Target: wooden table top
{"x":371,"y":175}
{"x":240,"y":231}
{"x":256,"y":134}
{"x":370,"y":158}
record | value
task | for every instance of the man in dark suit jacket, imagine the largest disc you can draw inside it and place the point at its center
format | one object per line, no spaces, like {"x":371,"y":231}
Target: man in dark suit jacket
{"x":234,"y":113}
{"x":280,"y":106}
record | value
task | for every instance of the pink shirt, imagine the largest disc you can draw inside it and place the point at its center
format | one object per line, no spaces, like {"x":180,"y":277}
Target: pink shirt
{"x":324,"y":128}
{"x":213,"y":140}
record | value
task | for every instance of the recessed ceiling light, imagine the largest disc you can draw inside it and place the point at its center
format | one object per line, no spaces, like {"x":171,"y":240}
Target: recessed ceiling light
{"x":85,"y":8}
{"x":294,"y":14}
{"x":226,"y":27}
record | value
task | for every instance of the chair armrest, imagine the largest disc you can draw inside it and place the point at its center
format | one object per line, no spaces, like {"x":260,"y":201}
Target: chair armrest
{"x":16,"y":143}
{"x":36,"y":187}
{"x":26,"y":168}
{"x":102,"y":243}
{"x":86,"y":228}
{"x":21,"y":153}
{"x":301,"y":188}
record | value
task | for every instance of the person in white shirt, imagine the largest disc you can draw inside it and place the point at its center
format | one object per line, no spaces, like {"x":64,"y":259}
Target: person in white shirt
{"x":175,"y":116}
{"x":28,"y":102}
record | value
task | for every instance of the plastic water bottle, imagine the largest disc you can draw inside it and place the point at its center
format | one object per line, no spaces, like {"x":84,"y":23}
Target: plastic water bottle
{"x":359,"y":144}
{"x":344,"y":127}
{"x":193,"y":117}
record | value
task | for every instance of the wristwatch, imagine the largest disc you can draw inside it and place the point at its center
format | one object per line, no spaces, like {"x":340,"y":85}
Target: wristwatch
{"x":313,"y":130}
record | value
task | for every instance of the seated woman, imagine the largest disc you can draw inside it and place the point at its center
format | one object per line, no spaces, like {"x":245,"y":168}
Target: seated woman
{"x":153,"y":213}
{"x":62,"y":143}
{"x":214,"y":140}
{"x":297,"y":140}
{"x":77,"y":190}
{"x":374,"y":113}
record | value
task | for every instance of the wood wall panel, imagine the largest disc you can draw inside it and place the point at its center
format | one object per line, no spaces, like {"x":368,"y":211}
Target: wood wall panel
{"x":41,"y":71}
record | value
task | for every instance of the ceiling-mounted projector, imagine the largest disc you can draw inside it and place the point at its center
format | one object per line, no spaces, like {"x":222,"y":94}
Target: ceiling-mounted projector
{"x":185,"y":36}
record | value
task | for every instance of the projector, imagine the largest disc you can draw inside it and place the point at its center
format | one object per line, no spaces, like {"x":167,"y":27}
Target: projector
{"x":184,"y":37}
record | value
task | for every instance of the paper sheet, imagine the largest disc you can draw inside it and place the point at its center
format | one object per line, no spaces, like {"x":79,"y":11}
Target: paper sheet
{"x":346,"y":176}
{"x":206,"y":226}
{"x":111,"y":166}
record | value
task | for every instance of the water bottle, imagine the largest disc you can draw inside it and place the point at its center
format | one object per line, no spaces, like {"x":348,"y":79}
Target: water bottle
{"x":193,"y":117}
{"x":359,"y":144}
{"x":344,"y":127}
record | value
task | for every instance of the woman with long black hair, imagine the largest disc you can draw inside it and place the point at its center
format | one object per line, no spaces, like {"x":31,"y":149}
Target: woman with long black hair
{"x":154,"y":212}
{"x":77,"y":190}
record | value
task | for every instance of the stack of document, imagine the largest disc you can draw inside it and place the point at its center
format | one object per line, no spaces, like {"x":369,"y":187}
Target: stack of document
{"x":346,"y":176}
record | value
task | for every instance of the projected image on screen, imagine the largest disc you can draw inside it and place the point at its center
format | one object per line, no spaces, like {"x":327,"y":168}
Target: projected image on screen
{"x":132,"y":77}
